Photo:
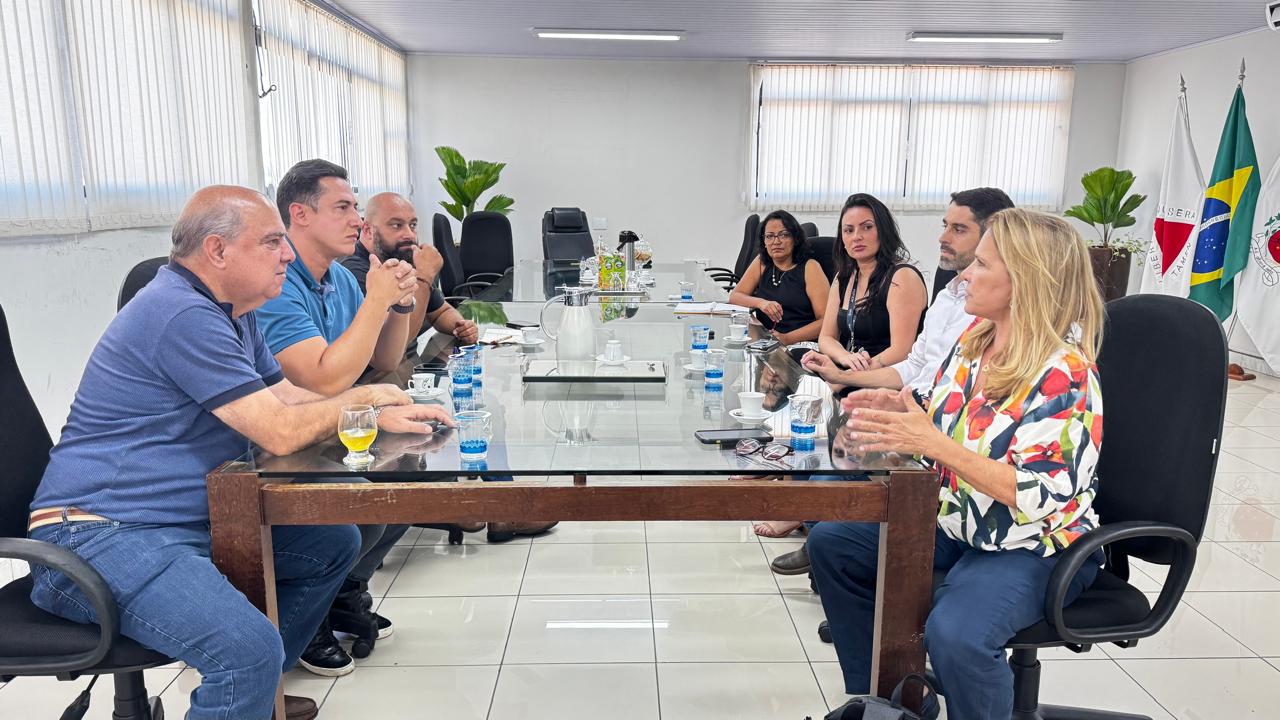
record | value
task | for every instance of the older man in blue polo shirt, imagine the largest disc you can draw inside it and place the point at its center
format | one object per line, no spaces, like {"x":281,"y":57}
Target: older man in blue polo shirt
{"x":180,"y":382}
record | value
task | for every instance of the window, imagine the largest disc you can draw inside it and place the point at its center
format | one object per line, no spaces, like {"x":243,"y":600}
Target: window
{"x":121,"y":109}
{"x":339,"y":95}
{"x":909,"y":134}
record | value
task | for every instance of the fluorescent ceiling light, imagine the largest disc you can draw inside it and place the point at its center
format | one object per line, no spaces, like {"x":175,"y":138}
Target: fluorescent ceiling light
{"x":651,"y":35}
{"x":960,"y":37}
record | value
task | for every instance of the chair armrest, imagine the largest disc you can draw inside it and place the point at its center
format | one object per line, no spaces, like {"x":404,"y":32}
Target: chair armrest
{"x":56,"y":557}
{"x":1078,"y":553}
{"x":470,"y":288}
{"x":472,"y":278}
{"x":716,"y":269}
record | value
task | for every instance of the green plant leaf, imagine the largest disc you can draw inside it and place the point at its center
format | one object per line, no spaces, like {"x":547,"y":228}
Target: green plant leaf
{"x":1078,"y":212}
{"x":499,"y":204}
{"x":472,"y":187}
{"x":454,"y":188}
{"x":1098,"y":183}
{"x":1132,"y":203}
{"x":1124,"y":221}
{"x":453,"y":208}
{"x":1124,"y":181}
{"x":452,"y":160}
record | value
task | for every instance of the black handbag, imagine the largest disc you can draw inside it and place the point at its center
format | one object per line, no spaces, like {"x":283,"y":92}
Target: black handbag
{"x":877,"y":708}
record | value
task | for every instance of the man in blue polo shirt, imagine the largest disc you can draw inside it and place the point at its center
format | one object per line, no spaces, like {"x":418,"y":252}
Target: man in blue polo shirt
{"x":324,"y":331}
{"x":181,"y":382}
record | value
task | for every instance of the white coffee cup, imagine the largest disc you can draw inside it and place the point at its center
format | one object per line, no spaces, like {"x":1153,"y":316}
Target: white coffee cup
{"x":613,"y":351}
{"x":737,"y":331}
{"x":698,"y":359}
{"x":529,"y":334}
{"x":422,"y":383}
{"x":752,"y":403}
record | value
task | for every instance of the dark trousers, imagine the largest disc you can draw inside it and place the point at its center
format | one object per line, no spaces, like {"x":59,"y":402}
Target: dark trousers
{"x":986,"y":599}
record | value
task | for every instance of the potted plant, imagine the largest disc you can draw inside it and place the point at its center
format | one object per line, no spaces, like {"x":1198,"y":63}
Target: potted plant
{"x":467,"y":181}
{"x":1106,"y":209}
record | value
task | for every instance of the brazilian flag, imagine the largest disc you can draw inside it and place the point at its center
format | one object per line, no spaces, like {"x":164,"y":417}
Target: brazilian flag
{"x":1226,"y":222}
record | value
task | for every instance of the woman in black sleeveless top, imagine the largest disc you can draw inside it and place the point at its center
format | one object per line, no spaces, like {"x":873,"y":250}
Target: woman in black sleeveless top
{"x":877,"y":289}
{"x":784,"y":285}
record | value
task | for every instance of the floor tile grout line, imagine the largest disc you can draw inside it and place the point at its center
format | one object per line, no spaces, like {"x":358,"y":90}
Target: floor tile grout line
{"x":1263,"y":570}
{"x":1144,"y":689}
{"x":795,"y":626}
{"x":653,"y":620}
{"x":493,"y":694}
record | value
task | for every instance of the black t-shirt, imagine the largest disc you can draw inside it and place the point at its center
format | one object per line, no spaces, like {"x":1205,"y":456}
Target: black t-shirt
{"x":358,"y":264}
{"x":788,"y":289}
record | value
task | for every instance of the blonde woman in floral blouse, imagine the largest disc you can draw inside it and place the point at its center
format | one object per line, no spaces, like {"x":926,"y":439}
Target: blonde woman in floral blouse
{"x":1013,"y":426}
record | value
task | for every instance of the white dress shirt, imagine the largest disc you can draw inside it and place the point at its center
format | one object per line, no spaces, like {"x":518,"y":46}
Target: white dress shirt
{"x":943,"y":322}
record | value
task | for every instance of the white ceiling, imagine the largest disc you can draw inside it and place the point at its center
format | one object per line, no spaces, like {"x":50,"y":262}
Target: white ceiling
{"x":1094,"y":30}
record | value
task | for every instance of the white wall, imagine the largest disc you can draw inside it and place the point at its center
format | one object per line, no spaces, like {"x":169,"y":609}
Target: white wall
{"x":58,"y":294}
{"x":656,"y":147}
{"x":1150,"y":96}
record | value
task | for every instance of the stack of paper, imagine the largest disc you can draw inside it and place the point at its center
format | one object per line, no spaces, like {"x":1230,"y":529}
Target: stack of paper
{"x":709,"y":308}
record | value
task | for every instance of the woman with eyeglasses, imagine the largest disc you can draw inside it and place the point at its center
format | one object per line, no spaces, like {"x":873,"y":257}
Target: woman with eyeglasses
{"x":784,"y":286}
{"x":1013,"y":427}
{"x":876,"y":309}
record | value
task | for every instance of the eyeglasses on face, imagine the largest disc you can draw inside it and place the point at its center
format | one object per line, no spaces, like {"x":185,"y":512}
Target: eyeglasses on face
{"x":771,"y":451}
{"x":777,"y":237}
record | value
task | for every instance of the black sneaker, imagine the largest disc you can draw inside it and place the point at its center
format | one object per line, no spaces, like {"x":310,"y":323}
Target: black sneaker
{"x":384,"y":626}
{"x":324,"y":656}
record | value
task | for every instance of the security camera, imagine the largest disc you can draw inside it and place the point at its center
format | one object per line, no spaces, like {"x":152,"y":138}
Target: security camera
{"x":1273,"y":15}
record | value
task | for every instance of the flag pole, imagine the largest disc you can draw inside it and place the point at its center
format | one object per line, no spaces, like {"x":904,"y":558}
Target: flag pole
{"x":1234,"y":370}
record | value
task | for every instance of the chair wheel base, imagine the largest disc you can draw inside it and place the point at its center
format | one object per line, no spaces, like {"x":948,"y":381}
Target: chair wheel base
{"x":1062,"y":712}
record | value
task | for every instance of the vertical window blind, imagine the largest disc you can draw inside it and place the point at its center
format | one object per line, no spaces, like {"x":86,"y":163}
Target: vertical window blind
{"x":909,"y":134}
{"x":122,"y":108}
{"x":340,"y":96}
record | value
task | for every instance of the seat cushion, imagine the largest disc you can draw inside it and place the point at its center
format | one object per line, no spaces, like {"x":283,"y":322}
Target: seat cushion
{"x":1109,"y":602}
{"x":28,"y":631}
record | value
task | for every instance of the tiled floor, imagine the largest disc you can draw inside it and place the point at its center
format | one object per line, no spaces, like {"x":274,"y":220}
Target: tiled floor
{"x":684,"y":621}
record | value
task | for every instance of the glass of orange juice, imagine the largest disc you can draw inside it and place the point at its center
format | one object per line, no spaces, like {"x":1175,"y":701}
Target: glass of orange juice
{"x":357,"y":429}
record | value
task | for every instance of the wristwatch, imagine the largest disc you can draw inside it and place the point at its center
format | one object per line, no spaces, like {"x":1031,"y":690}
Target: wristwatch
{"x":404,"y":309}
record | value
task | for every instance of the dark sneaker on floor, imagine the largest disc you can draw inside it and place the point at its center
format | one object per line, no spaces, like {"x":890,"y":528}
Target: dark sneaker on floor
{"x":795,"y":562}
{"x":384,"y":626}
{"x":502,"y":532}
{"x":324,"y":656}
{"x":300,"y":708}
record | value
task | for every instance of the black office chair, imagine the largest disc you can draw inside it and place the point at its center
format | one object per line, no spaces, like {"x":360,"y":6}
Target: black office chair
{"x":1152,"y":343}
{"x":823,"y":249}
{"x":33,"y":642}
{"x":566,"y":235}
{"x":1155,"y":479}
{"x":138,"y":277}
{"x":746,"y":253}
{"x":454,"y":284}
{"x":940,"y":279}
{"x":810,"y":229}
{"x":486,"y":244}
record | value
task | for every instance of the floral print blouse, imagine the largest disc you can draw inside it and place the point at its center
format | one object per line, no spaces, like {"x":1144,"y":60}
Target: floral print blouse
{"x":1050,"y":432}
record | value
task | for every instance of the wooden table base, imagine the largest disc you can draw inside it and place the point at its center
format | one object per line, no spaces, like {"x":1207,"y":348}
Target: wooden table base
{"x":243,"y":508}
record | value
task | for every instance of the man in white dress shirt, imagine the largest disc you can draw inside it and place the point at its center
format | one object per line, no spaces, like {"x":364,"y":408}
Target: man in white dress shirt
{"x":962,"y":228}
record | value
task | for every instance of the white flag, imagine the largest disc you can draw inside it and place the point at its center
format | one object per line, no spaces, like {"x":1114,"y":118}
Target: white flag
{"x":1258,"y":301}
{"x":1168,"y":266}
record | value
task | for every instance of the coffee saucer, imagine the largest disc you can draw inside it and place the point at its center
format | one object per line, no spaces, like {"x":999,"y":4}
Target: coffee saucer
{"x":737,"y":414}
{"x":532,"y":343}
{"x":424,"y":396}
{"x":691,"y":368}
{"x":621,"y":361}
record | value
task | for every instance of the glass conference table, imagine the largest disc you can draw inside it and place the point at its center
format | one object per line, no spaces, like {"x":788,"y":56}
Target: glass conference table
{"x":598,"y":449}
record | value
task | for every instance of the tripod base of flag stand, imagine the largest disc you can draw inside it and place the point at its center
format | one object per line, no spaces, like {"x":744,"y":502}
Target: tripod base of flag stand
{"x":1235,"y":372}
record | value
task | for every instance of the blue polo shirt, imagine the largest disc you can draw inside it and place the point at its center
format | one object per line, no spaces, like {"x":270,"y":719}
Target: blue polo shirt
{"x":308,"y":308}
{"x":142,"y":436}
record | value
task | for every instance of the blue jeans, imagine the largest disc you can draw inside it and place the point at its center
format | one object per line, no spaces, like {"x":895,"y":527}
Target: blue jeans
{"x":173,"y":600}
{"x":986,"y":599}
{"x":375,"y":540}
